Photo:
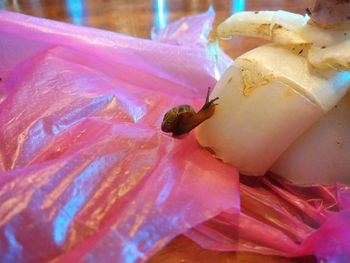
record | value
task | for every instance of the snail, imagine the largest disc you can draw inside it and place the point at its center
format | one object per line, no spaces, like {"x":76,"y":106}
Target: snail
{"x":182,"y":119}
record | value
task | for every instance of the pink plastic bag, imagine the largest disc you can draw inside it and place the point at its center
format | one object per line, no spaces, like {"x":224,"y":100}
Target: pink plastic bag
{"x":87,"y":175}
{"x":279,"y":218}
{"x":85,"y":172}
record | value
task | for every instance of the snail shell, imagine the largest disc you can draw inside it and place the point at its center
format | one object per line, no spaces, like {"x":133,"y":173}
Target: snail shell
{"x":173,"y":117}
{"x":182,"y":119}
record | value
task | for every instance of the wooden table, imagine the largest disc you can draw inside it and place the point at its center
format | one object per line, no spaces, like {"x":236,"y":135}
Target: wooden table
{"x":136,"y":18}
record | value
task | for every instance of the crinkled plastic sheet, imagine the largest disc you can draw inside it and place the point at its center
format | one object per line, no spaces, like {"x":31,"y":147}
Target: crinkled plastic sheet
{"x":85,"y":172}
{"x":87,"y":175}
{"x":279,"y":218}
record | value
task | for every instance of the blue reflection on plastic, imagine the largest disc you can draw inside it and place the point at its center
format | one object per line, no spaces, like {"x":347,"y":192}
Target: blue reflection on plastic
{"x":131,"y":253}
{"x":164,"y":193}
{"x":238,"y":6}
{"x":76,"y":10}
{"x":79,"y":114}
{"x":161,"y":13}
{"x":65,"y":217}
{"x":79,"y":195}
{"x":13,"y":248}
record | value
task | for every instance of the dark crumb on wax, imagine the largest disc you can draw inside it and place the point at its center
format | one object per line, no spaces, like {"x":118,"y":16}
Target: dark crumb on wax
{"x":323,"y":47}
{"x":256,"y":12}
{"x":345,"y":34}
{"x":301,"y":51}
{"x":308,"y":11}
{"x":210,"y":150}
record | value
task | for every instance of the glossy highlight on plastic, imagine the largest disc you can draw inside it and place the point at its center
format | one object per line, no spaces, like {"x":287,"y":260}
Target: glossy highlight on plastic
{"x":82,"y":171}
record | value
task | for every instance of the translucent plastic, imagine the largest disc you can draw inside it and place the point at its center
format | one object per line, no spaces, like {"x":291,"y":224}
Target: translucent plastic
{"x":280,"y":218}
{"x":85,"y":172}
{"x":87,"y":175}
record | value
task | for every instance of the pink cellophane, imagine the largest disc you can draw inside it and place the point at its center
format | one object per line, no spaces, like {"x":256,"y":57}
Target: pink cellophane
{"x":87,"y":175}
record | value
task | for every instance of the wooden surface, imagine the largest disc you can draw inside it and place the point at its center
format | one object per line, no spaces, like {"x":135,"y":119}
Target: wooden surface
{"x":136,"y":18}
{"x":183,"y":250}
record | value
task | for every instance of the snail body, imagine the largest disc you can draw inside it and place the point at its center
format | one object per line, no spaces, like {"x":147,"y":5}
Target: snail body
{"x":183,"y":118}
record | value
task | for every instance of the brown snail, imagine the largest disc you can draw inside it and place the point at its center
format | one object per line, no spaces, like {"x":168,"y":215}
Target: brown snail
{"x":182,"y":119}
